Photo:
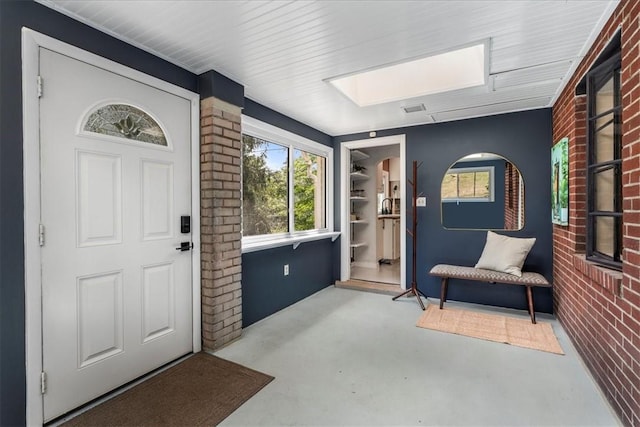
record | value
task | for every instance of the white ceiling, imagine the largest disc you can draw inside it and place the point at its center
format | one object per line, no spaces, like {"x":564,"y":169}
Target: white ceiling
{"x":283,"y":51}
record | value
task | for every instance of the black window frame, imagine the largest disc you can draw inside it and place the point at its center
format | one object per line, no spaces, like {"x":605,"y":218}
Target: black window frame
{"x":595,"y":80}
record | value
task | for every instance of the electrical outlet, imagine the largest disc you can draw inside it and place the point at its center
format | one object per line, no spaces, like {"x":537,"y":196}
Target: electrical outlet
{"x":286,"y":269}
{"x":421,"y":201}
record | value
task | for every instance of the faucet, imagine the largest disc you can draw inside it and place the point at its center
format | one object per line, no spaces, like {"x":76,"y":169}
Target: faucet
{"x":386,"y":211}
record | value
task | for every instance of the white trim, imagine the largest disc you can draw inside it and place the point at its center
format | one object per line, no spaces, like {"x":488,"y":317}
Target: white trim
{"x":31,"y":43}
{"x":260,"y":129}
{"x":32,"y":260}
{"x":345,"y":257}
{"x":266,"y":131}
{"x":286,"y":240}
{"x":196,"y":266}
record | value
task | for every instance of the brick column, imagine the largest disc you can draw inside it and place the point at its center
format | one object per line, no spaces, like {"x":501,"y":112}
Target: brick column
{"x":221,"y":250}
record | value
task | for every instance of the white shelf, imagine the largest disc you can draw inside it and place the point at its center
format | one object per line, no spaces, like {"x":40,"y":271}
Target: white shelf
{"x":358,"y":155}
{"x":358,"y":176}
{"x":295,"y":241}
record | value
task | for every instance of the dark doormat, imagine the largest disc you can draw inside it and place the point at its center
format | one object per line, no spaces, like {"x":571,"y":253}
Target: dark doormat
{"x":202,"y":390}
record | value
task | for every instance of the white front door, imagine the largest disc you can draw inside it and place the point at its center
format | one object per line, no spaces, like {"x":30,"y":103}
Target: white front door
{"x":115,"y":181}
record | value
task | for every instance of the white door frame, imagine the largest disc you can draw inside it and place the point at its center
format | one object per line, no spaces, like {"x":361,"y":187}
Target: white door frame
{"x":31,"y":42}
{"x":345,"y":180}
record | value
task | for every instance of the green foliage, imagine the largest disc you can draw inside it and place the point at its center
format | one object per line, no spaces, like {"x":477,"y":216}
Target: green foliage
{"x":564,"y":186}
{"x":304,"y":178}
{"x":265,"y":191}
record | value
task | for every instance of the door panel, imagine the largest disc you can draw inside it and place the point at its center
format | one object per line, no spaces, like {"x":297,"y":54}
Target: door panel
{"x":99,"y":199}
{"x":116,"y":295}
{"x":158,"y":304}
{"x":157,"y":200}
{"x":100,"y":317}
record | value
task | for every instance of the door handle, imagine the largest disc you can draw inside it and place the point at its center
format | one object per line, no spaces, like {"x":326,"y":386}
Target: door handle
{"x":184,"y":246}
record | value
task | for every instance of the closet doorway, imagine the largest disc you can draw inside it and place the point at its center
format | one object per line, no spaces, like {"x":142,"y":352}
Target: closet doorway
{"x":373,"y":211}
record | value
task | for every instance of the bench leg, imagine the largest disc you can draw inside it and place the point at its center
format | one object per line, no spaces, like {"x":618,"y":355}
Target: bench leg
{"x":444,"y":288}
{"x":530,"y":302}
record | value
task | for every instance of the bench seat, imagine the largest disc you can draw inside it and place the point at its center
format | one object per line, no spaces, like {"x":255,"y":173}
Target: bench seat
{"x":528,"y":280}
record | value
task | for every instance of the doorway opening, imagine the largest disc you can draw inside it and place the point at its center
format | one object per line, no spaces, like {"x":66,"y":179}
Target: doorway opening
{"x":373,"y":212}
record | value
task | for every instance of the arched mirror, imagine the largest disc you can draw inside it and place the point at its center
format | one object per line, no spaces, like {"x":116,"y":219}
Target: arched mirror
{"x":482,"y":191}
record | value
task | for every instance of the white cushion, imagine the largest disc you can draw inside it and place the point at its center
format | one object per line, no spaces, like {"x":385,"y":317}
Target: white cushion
{"x":505,"y":254}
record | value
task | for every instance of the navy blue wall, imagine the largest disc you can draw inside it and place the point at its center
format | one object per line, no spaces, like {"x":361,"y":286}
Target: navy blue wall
{"x":524,"y":138}
{"x":265,"y":289}
{"x":267,"y":115}
{"x":13,"y":16}
{"x":478,"y":215}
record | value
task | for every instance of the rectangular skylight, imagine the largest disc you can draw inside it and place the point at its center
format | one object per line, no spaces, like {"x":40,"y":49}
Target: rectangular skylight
{"x":452,"y":70}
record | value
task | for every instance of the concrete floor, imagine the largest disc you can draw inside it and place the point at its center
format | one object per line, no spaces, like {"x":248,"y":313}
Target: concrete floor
{"x":344,"y":357}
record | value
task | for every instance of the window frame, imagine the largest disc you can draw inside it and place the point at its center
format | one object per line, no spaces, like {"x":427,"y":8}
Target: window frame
{"x":268,"y":132}
{"x":595,"y":79}
{"x":475,"y":169}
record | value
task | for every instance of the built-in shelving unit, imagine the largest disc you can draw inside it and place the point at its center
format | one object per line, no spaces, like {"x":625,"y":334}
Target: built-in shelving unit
{"x":357,"y":198}
{"x":358,"y":155}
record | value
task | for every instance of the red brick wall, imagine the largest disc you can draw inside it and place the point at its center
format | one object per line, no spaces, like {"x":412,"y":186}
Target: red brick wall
{"x":600,"y":308}
{"x":511,"y":196}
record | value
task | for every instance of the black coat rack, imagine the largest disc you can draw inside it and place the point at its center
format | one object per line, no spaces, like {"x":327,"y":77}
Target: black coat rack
{"x":413,"y":233}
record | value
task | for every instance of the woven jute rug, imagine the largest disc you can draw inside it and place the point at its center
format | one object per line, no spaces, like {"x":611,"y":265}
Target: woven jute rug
{"x":491,"y":327}
{"x":201,"y":391}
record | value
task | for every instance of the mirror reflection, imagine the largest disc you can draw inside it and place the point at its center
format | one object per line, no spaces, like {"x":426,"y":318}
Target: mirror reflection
{"x":482,"y":191}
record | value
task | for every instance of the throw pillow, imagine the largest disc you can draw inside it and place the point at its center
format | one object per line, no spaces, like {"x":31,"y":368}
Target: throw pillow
{"x":505,"y":254}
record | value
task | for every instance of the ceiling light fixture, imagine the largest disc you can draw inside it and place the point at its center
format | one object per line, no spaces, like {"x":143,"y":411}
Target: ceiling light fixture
{"x":452,"y":70}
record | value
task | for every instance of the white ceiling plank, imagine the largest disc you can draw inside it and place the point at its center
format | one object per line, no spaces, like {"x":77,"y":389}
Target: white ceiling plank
{"x":282,"y":51}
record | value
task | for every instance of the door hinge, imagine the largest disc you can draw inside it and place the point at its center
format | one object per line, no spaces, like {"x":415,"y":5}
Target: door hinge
{"x":41,"y":235}
{"x":39,"y":86}
{"x":43,"y":382}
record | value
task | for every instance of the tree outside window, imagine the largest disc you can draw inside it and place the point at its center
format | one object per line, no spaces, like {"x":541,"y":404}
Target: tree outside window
{"x":264,"y":187}
{"x":270,"y":205}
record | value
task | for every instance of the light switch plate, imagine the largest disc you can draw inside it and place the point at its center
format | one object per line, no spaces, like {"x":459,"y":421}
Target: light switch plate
{"x":421,"y":201}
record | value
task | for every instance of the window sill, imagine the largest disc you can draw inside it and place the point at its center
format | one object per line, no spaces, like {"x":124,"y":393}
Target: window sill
{"x":609,"y":280}
{"x":295,"y":241}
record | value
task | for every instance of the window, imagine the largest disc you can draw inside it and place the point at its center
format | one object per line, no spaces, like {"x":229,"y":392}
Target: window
{"x":468,"y":185}
{"x":604,"y":163}
{"x":285,"y":184}
{"x":125,"y":121}
{"x":265,"y":174}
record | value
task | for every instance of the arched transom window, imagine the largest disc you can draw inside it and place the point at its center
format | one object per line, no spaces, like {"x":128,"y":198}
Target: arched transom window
{"x":125,"y":121}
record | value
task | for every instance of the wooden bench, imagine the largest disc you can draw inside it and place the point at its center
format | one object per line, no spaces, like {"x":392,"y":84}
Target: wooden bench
{"x":528,"y":280}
